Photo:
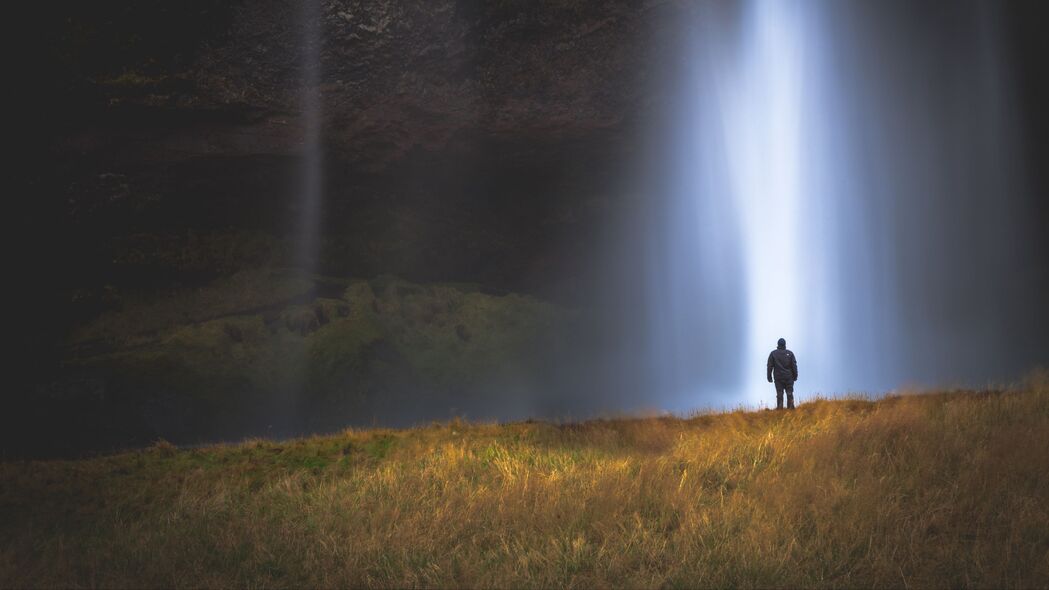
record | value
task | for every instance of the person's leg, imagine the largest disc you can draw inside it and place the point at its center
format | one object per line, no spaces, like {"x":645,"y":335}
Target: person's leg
{"x":779,"y":395}
{"x":790,"y":396}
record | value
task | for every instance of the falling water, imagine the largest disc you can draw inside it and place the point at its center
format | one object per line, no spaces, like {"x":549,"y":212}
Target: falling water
{"x":310,"y":190}
{"x":843,"y":175}
{"x":285,"y":413}
{"x":762,"y":98}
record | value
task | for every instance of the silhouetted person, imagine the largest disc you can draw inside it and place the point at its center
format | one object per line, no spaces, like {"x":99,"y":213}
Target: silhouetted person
{"x":783,"y":366}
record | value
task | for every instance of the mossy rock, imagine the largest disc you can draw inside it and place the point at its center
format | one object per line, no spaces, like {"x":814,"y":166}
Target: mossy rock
{"x":246,"y":292}
{"x":379,"y":341}
{"x":337,"y":352}
{"x":301,"y":319}
{"x":330,"y":310}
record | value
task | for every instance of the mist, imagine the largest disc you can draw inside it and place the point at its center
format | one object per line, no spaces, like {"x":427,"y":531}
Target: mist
{"x":844,"y":175}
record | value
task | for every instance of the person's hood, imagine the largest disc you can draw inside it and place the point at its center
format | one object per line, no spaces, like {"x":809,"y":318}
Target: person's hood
{"x":781,"y":344}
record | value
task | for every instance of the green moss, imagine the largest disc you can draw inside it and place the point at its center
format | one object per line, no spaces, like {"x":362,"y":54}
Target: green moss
{"x":450,"y":334}
{"x":243,"y":292}
{"x":378,"y":336}
{"x":337,"y":353}
{"x":377,"y":448}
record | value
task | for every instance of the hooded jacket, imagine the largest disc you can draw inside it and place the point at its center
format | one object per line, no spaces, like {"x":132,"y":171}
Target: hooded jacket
{"x":783,"y":365}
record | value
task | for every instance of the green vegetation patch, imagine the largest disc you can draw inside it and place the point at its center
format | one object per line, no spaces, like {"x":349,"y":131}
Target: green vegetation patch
{"x":242,"y":293}
{"x":256,"y":335}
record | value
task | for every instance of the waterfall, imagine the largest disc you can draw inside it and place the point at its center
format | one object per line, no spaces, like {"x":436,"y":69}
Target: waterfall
{"x":310,"y":188}
{"x":840,"y":174}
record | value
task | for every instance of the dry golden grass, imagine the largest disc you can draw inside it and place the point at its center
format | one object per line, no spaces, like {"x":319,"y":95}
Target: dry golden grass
{"x":948,"y":490}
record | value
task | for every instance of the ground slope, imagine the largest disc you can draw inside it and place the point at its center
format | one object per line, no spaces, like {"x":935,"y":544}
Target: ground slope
{"x":915,"y":491}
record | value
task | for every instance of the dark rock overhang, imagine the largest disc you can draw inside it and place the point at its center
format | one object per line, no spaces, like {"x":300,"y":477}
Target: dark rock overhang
{"x":396,"y":77}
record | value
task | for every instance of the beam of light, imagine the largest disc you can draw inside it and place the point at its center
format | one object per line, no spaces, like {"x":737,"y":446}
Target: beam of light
{"x":741,"y":256}
{"x":840,"y":175}
{"x":308,"y":200}
{"x":748,"y":249}
{"x":762,"y":96}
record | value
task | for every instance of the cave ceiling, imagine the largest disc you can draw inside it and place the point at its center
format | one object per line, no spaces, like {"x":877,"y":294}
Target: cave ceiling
{"x":399,"y":79}
{"x":463,"y":139}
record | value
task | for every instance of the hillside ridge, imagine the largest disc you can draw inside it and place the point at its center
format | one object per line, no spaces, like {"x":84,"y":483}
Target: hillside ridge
{"x":926,"y":490}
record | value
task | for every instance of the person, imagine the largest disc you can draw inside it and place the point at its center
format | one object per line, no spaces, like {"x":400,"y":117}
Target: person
{"x":783,"y":368}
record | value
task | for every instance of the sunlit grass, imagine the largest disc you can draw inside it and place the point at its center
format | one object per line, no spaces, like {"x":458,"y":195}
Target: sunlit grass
{"x":944,"y":490}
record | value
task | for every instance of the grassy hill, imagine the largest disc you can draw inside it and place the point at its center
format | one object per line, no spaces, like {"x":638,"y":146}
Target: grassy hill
{"x":945,"y":490}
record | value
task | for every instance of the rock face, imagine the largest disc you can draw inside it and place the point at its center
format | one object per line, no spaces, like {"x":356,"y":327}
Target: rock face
{"x":463,"y":139}
{"x":395,"y":76}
